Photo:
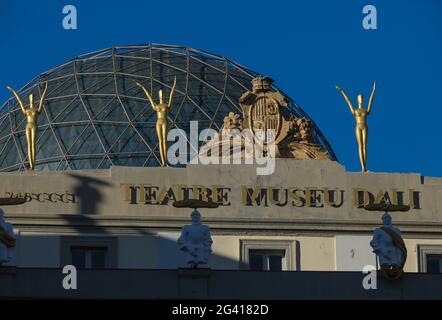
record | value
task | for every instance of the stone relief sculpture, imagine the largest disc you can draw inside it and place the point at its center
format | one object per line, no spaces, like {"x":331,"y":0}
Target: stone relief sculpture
{"x":300,"y":142}
{"x":390,"y":248}
{"x":262,"y":109}
{"x":7,"y":239}
{"x":232,"y":121}
{"x":196,"y":241}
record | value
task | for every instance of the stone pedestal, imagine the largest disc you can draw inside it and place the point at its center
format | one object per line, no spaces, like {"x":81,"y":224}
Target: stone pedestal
{"x":193,"y":283}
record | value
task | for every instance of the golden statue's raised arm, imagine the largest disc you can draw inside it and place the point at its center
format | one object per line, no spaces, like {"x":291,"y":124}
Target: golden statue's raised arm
{"x":346,"y":99}
{"x":169,"y":104}
{"x":17,"y":97}
{"x":370,"y":102}
{"x":154,"y":107}
{"x":42,"y":97}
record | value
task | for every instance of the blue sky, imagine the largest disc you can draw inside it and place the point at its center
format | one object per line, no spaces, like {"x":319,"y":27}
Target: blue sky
{"x":307,"y":46}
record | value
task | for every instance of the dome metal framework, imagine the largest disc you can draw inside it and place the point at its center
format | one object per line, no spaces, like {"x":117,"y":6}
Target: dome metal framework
{"x":94,"y":115}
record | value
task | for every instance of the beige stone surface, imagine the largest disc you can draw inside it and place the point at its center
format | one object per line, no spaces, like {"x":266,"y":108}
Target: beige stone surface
{"x":100,"y":195}
{"x":147,"y":233}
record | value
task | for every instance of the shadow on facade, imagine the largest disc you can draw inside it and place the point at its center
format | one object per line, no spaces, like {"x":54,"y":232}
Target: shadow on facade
{"x":88,"y":192}
{"x":137,"y":246}
{"x":154,"y":251}
{"x":88,"y":198}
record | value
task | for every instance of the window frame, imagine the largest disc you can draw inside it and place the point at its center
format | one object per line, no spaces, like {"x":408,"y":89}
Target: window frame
{"x":265,"y":258}
{"x":110,"y":243}
{"x":289,"y":246}
{"x":87,"y":251}
{"x":426,"y":250}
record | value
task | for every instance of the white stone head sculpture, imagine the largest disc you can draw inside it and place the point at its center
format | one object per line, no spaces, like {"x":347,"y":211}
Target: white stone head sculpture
{"x":388,"y":245}
{"x":195,"y":216}
{"x":386,"y":219}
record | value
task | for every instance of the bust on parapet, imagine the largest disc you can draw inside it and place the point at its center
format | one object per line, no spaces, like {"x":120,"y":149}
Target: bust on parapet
{"x":196,"y":241}
{"x":7,"y":239}
{"x":390,"y":248}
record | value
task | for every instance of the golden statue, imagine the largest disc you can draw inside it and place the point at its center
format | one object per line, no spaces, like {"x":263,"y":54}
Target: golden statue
{"x":161,"y":110}
{"x":360,"y":115}
{"x":31,"y":126}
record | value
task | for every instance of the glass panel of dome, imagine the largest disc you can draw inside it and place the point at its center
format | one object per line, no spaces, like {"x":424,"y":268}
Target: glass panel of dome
{"x":135,"y":109}
{"x":74,"y":112}
{"x":4,"y":123}
{"x":81,"y":164}
{"x":56,"y":107}
{"x":97,"y":84}
{"x":129,"y":142}
{"x":104,"y":163}
{"x":109,"y":133}
{"x":129,"y":160}
{"x":48,"y":166}
{"x":47,"y":145}
{"x":87,"y":143}
{"x":18,"y":120}
{"x":63,"y":165}
{"x":135,"y":66}
{"x":68,"y":133}
{"x":99,"y":64}
{"x":4,"y":145}
{"x":106,"y":109}
{"x":63,"y":70}
{"x":65,"y":85}
{"x":99,"y":107}
{"x":10,"y":155}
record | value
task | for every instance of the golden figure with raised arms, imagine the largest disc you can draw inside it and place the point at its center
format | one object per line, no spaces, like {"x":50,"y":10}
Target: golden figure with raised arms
{"x":360,"y":115}
{"x":31,"y":114}
{"x":161,"y":126}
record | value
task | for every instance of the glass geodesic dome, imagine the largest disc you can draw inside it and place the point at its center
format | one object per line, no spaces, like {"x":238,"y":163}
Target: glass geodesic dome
{"x":95,"y":116}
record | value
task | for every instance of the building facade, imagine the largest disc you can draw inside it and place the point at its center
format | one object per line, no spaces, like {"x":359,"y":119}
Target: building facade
{"x":307,"y":216}
{"x":99,"y":198}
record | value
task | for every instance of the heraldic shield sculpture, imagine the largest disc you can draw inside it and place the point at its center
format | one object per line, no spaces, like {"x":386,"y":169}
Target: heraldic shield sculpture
{"x":390,"y":248}
{"x":195,"y":239}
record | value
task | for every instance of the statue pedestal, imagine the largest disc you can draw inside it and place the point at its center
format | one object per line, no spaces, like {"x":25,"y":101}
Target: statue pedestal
{"x":193,"y":283}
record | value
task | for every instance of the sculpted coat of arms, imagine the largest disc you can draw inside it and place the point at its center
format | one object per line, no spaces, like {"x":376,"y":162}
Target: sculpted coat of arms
{"x":261,"y":107}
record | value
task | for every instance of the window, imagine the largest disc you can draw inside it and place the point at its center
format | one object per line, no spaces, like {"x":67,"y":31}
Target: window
{"x":89,"y":252}
{"x":89,"y":257}
{"x":269,"y":255}
{"x":434,"y":263}
{"x":430,"y":258}
{"x":268,"y":260}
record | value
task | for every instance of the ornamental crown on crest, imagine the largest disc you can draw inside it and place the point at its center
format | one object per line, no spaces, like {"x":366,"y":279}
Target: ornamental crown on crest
{"x":262,"y":84}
